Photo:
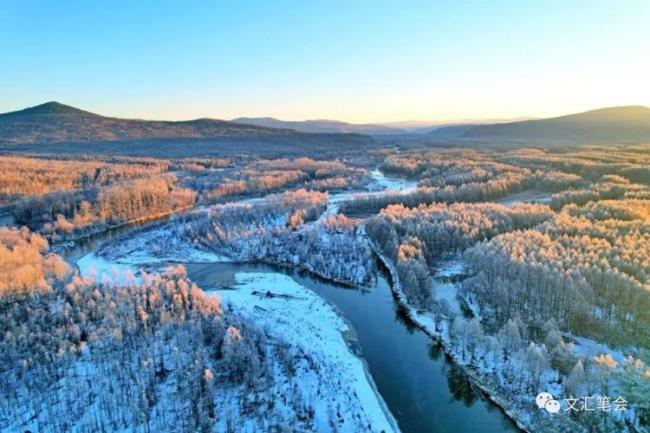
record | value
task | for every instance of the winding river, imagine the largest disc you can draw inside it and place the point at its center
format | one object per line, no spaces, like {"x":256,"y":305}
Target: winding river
{"x":423,"y":388}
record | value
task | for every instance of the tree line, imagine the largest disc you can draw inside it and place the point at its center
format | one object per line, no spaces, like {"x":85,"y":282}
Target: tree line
{"x":22,"y":176}
{"x":414,"y":238}
{"x":263,"y":176}
{"x":68,"y":214}
{"x":590,"y":275}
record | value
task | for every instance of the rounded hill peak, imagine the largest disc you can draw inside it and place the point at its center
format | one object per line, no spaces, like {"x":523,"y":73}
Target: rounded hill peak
{"x":52,"y":108}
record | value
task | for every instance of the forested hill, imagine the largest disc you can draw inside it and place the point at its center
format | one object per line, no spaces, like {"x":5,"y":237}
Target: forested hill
{"x":629,"y":124}
{"x":54,"y":122}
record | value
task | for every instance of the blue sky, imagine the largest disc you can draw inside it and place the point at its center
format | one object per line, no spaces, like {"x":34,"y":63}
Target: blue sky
{"x":359,"y":60}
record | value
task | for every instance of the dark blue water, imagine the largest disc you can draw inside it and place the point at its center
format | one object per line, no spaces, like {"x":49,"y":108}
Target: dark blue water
{"x":425,"y":391}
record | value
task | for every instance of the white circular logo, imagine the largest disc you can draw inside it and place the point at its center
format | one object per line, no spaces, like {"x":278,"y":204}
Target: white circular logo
{"x":542,"y":398}
{"x":552,"y":406}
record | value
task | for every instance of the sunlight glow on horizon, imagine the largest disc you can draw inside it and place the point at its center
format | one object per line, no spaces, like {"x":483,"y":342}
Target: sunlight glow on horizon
{"x":367,"y":62}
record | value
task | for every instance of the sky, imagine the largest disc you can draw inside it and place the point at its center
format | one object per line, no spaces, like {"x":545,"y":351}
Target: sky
{"x":357,"y":61}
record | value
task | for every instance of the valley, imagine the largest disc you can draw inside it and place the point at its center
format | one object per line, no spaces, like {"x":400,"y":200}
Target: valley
{"x":299,"y":241}
{"x":325,"y":217}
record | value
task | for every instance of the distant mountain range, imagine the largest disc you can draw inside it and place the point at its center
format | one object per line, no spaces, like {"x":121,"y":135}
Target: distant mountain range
{"x":630,"y":124}
{"x":321,"y":126}
{"x":54,"y":122}
{"x":380,"y":128}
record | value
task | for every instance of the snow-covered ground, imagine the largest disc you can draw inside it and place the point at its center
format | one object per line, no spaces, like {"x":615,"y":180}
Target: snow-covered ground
{"x":539,"y":197}
{"x":444,"y":288}
{"x":588,"y":348}
{"x":107,"y":271}
{"x":380,"y":185}
{"x":450,"y":267}
{"x":333,"y":380}
{"x":121,"y":261}
{"x":298,"y":316}
{"x":444,"y":291}
{"x":388,"y":183}
{"x":158,"y":245}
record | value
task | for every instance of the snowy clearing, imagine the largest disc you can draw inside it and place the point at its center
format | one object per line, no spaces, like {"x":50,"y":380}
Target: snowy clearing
{"x":298,"y":316}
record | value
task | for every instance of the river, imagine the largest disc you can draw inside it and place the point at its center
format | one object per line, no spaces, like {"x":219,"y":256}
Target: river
{"x":424,"y":390}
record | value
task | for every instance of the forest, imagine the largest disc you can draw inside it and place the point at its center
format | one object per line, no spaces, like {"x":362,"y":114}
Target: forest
{"x":285,"y":229}
{"x":541,"y":285}
{"x":325,"y":217}
{"x":552,"y":282}
{"x":78,"y":355}
{"x":66,"y":199}
{"x":262,"y":176}
{"x":461,"y":176}
{"x":63,"y":215}
{"x":415,"y":237}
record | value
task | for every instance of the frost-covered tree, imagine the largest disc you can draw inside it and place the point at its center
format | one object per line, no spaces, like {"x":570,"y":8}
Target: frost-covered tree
{"x":575,"y":383}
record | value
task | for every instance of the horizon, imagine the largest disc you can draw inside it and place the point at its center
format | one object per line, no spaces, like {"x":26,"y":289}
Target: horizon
{"x":408,"y":123}
{"x":402,"y":217}
{"x":362,"y":63}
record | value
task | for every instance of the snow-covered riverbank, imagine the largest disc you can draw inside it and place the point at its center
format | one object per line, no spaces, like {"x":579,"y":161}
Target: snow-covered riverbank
{"x":333,"y":377}
{"x":121,"y":260}
{"x":389,"y":183}
{"x":438,"y":327}
{"x":380,"y":185}
{"x":427,"y":323}
{"x":157,"y":245}
{"x":333,"y":381}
